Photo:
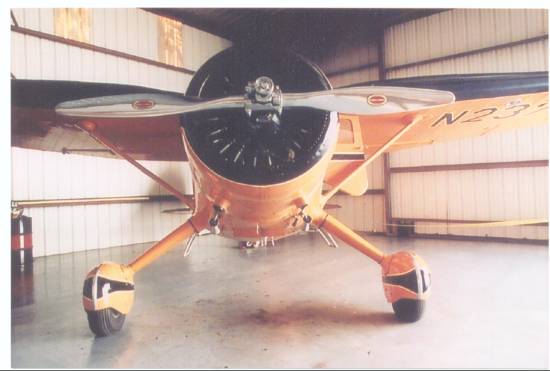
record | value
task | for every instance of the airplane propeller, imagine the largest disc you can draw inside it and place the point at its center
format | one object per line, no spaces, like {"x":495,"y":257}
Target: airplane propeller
{"x":261,"y":95}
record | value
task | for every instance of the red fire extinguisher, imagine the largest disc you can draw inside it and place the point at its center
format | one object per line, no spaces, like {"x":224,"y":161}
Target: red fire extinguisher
{"x":21,"y":241}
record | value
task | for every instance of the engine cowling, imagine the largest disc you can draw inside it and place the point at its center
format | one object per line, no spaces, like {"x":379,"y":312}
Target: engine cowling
{"x":260,"y":148}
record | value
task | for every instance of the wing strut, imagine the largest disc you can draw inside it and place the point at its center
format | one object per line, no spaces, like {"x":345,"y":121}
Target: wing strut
{"x":91,"y":128}
{"x":408,"y":122}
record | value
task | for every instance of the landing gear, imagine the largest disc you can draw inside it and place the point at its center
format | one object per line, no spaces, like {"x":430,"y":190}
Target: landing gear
{"x":107,"y":297}
{"x":405,"y":276}
{"x":407,"y":282}
{"x":108,"y":293}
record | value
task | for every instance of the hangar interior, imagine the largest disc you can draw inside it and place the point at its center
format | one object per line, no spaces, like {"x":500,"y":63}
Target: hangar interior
{"x":226,"y":307}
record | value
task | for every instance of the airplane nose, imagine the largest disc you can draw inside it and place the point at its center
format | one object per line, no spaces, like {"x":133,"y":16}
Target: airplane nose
{"x":263,"y":144}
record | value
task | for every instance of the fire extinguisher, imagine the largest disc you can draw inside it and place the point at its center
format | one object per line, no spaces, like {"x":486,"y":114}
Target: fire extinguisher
{"x":21,"y":241}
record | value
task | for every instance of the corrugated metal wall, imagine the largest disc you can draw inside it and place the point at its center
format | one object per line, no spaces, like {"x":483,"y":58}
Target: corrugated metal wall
{"x":497,"y":194}
{"x":350,"y":63}
{"x":35,"y":58}
{"x":48,"y":175}
{"x":463,"y":30}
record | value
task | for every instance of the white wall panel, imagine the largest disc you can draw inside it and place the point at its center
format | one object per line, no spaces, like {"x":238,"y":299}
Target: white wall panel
{"x":132,"y":31}
{"x":511,"y":145}
{"x":520,"y":58}
{"x":66,"y":230}
{"x":199,"y":46}
{"x":496,"y":194}
{"x":18,"y":64}
{"x":32,"y":18}
{"x":460,"y":30}
{"x":87,"y":176}
{"x":364,"y":213}
{"x":375,"y":173}
{"x":19,"y":14}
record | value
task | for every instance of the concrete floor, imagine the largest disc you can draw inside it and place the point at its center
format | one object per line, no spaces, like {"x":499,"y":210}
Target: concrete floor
{"x":300,"y":304}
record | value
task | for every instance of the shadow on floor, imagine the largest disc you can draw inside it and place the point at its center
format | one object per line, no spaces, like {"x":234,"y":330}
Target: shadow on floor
{"x":319,"y":313}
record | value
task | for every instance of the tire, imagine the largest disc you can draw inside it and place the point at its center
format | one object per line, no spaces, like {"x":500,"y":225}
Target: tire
{"x":105,"y":322}
{"x":408,"y":310}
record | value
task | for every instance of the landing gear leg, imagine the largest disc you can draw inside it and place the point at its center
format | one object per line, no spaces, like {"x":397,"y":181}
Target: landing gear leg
{"x":405,"y":276}
{"x":108,"y":292}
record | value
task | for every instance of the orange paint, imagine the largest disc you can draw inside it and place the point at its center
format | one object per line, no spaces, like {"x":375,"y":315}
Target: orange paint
{"x":253,"y":212}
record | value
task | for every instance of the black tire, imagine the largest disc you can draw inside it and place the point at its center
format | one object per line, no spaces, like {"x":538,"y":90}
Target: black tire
{"x":408,"y":310}
{"x":105,"y":322}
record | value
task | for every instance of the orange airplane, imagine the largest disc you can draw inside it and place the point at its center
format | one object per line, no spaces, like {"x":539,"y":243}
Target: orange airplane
{"x":269,"y":142}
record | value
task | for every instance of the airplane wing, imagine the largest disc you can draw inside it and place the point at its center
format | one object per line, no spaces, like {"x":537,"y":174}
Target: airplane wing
{"x":35,"y":124}
{"x":484,"y":104}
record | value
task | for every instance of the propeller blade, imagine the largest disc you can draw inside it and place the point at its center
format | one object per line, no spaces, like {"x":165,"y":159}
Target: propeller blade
{"x":369,"y":100}
{"x":142,"y":105}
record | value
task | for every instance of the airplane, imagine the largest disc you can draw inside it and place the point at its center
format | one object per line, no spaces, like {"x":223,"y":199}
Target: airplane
{"x":269,"y":142}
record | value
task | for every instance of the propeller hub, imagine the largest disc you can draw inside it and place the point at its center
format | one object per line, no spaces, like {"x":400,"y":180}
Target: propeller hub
{"x":263,"y":95}
{"x":264,"y":87}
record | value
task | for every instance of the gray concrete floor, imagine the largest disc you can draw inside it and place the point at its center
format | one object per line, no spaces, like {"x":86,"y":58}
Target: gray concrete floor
{"x":300,"y":304}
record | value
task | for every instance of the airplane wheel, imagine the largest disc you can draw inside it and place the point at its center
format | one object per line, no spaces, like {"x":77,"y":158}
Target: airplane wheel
{"x":105,"y":322}
{"x":408,"y":310}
